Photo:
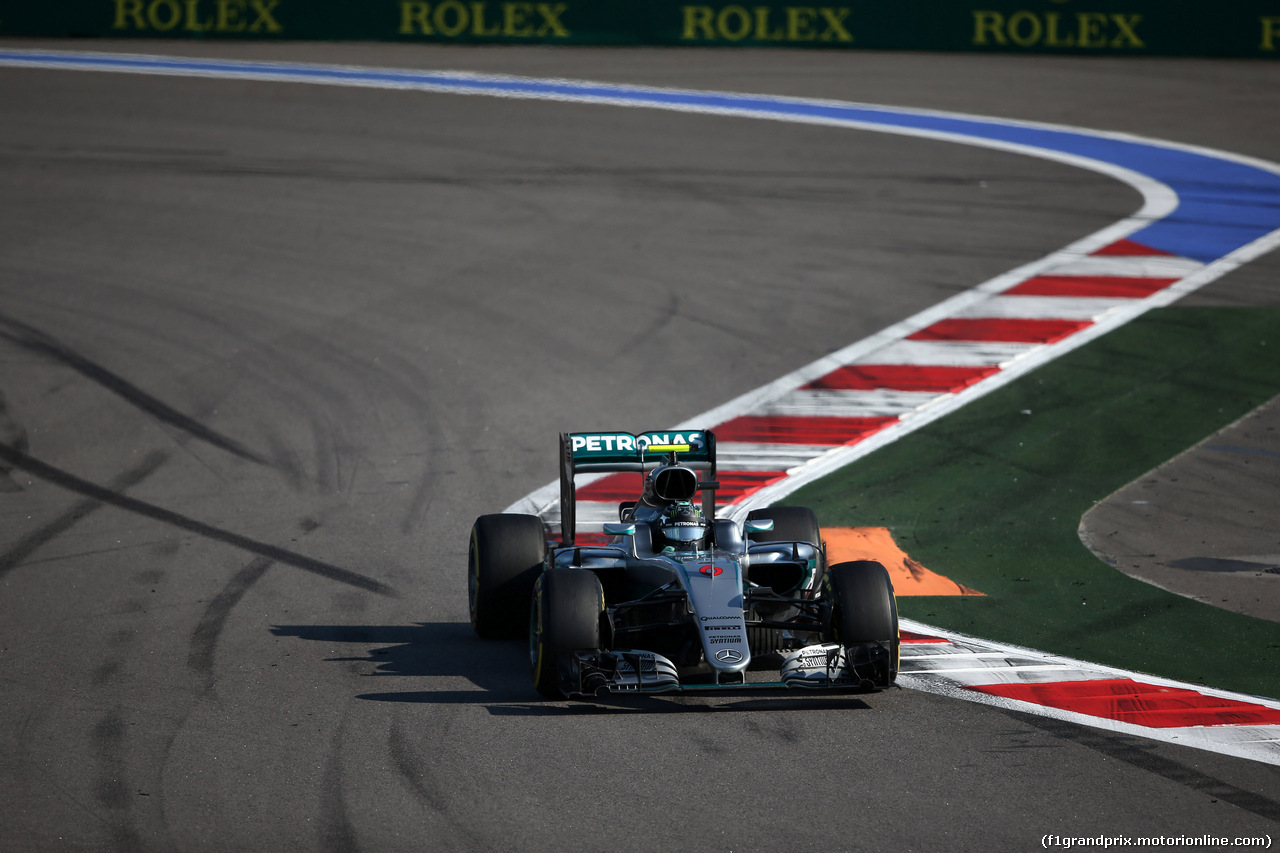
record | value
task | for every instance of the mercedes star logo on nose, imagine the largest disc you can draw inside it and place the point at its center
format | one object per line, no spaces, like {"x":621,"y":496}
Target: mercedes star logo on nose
{"x":728,"y":655}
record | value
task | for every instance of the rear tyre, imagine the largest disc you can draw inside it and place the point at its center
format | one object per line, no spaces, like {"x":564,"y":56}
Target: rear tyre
{"x":565,"y":618}
{"x":793,"y":524}
{"x":504,"y":560}
{"x":864,"y":619}
{"x":790,"y":524}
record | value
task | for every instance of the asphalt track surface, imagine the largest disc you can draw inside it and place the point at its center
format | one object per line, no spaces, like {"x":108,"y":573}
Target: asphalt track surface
{"x":266,"y":350}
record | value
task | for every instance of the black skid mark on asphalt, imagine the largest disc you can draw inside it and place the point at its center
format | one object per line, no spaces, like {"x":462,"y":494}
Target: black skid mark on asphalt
{"x":106,"y":672}
{"x":652,"y":330}
{"x":1142,"y":755}
{"x":397,"y":380}
{"x":428,"y":488}
{"x":286,"y":461}
{"x":430,"y":790}
{"x":204,"y":639}
{"x":15,"y":435}
{"x":41,"y":343}
{"x":424,"y":785}
{"x":111,"y":789}
{"x":28,"y":544}
{"x":281,"y":555}
{"x":337,"y":835}
{"x":429,"y":477}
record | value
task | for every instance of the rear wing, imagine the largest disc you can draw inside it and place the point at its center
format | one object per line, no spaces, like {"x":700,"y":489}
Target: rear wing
{"x":609,"y":452}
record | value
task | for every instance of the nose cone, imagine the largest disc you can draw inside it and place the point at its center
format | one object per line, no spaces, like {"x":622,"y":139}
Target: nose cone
{"x":715,"y":591}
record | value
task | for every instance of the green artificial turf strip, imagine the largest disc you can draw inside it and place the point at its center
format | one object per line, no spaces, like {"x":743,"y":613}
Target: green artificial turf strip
{"x":992,"y":496}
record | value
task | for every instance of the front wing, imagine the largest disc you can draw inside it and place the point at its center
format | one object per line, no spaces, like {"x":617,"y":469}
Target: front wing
{"x":824,"y":666}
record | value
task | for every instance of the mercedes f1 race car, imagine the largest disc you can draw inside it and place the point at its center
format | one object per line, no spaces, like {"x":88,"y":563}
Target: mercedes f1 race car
{"x":671,"y":597}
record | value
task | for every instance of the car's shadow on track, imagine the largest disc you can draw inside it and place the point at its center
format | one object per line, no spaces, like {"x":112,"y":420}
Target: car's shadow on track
{"x":442,"y":652}
{"x":499,"y":671}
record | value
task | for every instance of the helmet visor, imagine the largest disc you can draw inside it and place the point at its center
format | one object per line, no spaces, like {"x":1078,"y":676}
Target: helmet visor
{"x":685,"y":532}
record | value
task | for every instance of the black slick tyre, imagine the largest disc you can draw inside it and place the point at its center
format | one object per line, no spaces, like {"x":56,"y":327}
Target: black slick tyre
{"x":790,"y":524}
{"x":565,"y":618}
{"x":504,"y":560}
{"x":793,"y":524}
{"x":864,"y":618}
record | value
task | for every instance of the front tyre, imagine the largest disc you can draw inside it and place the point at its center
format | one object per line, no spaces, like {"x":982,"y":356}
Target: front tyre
{"x":506,"y":555}
{"x":565,"y":618}
{"x":864,"y":619}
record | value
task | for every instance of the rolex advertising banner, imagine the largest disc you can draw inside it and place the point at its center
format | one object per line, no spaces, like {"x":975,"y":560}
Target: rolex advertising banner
{"x":1237,"y":28}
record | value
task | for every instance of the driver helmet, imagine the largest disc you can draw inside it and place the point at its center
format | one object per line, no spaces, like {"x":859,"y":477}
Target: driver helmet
{"x":683,"y":528}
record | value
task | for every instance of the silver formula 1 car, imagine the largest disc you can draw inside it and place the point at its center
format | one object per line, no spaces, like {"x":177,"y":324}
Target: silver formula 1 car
{"x":672,"y":598}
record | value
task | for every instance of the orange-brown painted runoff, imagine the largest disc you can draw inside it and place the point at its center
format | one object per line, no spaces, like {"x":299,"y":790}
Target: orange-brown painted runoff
{"x":876,"y":543}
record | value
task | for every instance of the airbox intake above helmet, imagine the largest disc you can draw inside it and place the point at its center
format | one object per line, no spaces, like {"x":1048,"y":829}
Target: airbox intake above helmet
{"x":675,"y":484}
